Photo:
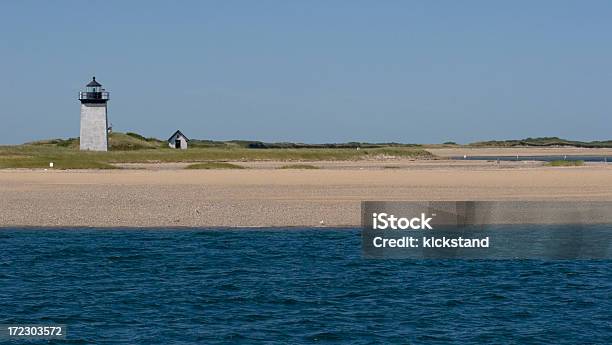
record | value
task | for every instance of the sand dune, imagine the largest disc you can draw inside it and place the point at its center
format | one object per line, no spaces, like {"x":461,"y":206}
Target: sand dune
{"x":521,"y":151}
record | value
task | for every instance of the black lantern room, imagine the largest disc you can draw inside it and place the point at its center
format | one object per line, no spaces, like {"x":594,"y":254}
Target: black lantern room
{"x":94,"y":93}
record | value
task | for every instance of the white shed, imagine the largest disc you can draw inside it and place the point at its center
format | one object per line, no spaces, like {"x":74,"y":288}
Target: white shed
{"x":178,"y":141}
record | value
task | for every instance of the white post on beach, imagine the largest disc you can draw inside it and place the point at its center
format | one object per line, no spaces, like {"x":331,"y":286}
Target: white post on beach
{"x":51,"y":165}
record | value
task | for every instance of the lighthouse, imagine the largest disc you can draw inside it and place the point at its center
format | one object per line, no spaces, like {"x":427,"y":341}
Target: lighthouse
{"x":94,"y":118}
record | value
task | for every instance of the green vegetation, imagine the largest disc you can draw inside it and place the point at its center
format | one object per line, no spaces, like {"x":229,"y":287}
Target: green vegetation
{"x":131,"y":141}
{"x":299,"y":166}
{"x":263,"y":145}
{"x":140,"y":137}
{"x":565,"y":163}
{"x":543,"y":142}
{"x":214,"y":165}
{"x":132,"y":148}
{"x":39,"y":156}
{"x":70,"y":142}
{"x":116,"y":141}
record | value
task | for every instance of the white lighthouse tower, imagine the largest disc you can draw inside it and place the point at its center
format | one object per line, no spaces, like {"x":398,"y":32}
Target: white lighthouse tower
{"x":94,"y":120}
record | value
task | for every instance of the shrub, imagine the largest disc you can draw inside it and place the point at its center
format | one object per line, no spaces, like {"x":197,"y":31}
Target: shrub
{"x":565,"y":163}
{"x":299,"y":166}
{"x":214,"y":165}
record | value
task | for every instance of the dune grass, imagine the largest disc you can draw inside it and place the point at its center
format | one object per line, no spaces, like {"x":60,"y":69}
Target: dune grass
{"x":29,"y":156}
{"x":132,"y":141}
{"x":134,"y":148}
{"x":543,"y":142}
{"x":299,"y":166}
{"x":39,"y":156}
{"x":561,"y":163}
{"x":214,"y":165}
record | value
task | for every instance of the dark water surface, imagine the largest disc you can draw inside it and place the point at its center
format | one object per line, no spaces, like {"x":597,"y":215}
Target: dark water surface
{"x":287,"y":287}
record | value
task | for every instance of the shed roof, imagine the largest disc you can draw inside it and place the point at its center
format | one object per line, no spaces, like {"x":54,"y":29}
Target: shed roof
{"x":178,"y":132}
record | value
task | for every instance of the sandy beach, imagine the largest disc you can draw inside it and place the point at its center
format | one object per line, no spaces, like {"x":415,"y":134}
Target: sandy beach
{"x":163,"y":196}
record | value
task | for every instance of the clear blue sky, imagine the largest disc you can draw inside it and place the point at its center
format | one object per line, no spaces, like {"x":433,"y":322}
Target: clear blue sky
{"x":311,"y":71}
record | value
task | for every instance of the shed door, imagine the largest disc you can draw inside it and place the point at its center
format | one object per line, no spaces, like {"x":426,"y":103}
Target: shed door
{"x":177,"y":143}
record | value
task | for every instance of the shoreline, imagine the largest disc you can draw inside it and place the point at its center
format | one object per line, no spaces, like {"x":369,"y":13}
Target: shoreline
{"x":181,"y":228}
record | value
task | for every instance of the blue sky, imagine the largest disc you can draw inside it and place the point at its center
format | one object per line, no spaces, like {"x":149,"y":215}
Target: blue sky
{"x":311,"y":71}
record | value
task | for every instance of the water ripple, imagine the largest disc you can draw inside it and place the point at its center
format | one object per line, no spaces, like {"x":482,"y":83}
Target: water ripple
{"x":288,"y":286}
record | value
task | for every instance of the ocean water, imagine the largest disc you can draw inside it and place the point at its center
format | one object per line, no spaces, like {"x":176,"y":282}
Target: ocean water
{"x":288,"y":286}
